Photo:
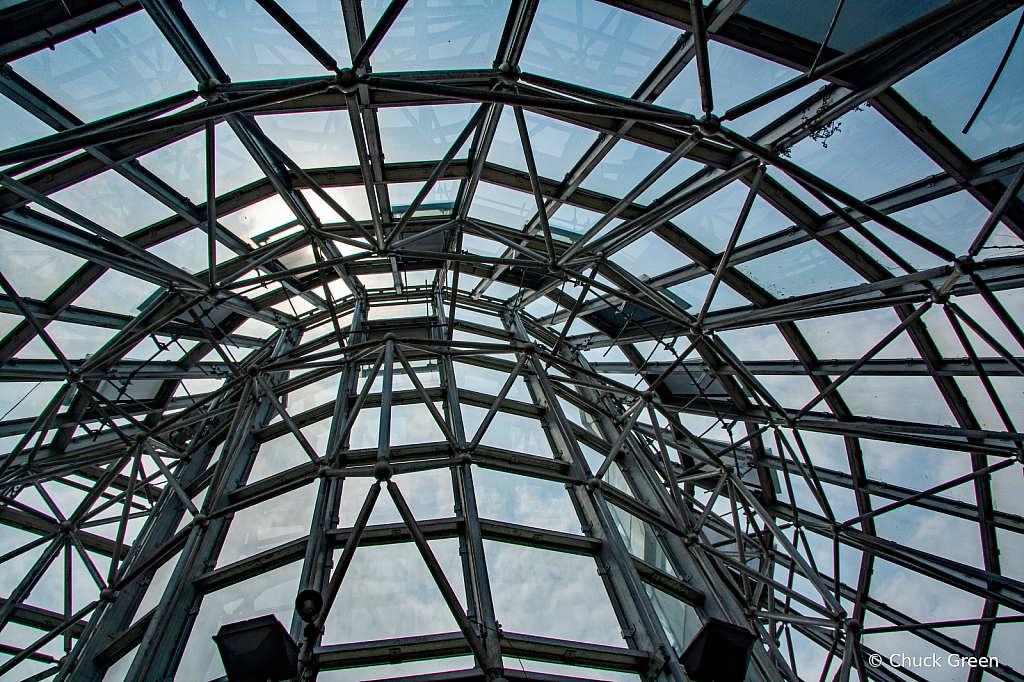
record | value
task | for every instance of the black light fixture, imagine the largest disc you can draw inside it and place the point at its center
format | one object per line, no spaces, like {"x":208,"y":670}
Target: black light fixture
{"x":719,"y":652}
{"x":257,"y":650}
{"x":308,"y":604}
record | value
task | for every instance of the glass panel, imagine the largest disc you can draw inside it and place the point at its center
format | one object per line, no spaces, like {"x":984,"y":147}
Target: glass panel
{"x":272,"y":593}
{"x":117,"y":292}
{"x":923,"y":599}
{"x":971,"y":66}
{"x":423,"y":133}
{"x":249,"y":44}
{"x":578,"y":220}
{"x":502,"y":206}
{"x":454,"y":34}
{"x":804,"y":269}
{"x":19,"y":125}
{"x":315,"y":139}
{"x":1006,"y":640}
{"x":19,"y":400}
{"x":680,"y":620}
{"x":490,"y":381}
{"x":76,"y":341}
{"x":189,"y":251}
{"x":859,"y":22}
{"x":592,"y":44}
{"x":867,"y":157}
{"x":258,"y":218}
{"x":852,"y":335}
{"x":930,"y":532}
{"x":118,"y":671}
{"x":712,"y":221}
{"x":182,"y":164}
{"x":34,"y":269}
{"x":904,"y":398}
{"x":388,"y":592}
{"x":758,"y":343}
{"x":113,"y":202}
{"x":650,"y":256}
{"x":524,"y":501}
{"x":550,"y":594}
{"x":119,"y":66}
{"x":696,"y":290}
{"x":440,"y":200}
{"x":556,"y":145}
{"x":628,"y":163}
{"x":428,"y":494}
{"x":268,"y":524}
{"x":508,"y":431}
{"x":392,"y":670}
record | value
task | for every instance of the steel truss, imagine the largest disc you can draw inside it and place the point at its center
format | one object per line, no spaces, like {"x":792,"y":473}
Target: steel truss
{"x":751,"y":530}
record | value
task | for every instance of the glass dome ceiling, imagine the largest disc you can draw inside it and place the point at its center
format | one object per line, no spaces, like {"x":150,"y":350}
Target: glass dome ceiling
{"x":531,"y":333}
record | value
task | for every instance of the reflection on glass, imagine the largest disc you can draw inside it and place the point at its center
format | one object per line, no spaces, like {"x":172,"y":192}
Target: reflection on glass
{"x":113,"y":202}
{"x":421,"y":133}
{"x":680,"y":620}
{"x":248,"y":43}
{"x":524,"y":501}
{"x":34,"y":269}
{"x":388,"y":592}
{"x":803,"y":269}
{"x":268,"y":524}
{"x":550,"y":594}
{"x":119,"y":66}
{"x":595,"y":45}
{"x":455,"y":34}
{"x":859,"y":22}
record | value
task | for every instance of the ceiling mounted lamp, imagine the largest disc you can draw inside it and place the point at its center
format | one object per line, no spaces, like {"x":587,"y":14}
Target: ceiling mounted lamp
{"x":257,"y":650}
{"x":719,"y":652}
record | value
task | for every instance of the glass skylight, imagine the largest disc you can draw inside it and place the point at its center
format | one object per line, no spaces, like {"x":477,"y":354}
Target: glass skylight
{"x":519,"y":428}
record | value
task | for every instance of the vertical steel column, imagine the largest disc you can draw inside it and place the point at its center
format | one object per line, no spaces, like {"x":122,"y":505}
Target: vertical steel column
{"x":328,"y":501}
{"x":640,"y":624}
{"x":479,"y":603}
{"x":168,"y":631}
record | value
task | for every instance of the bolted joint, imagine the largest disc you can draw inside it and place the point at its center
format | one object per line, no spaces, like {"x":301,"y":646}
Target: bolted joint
{"x":347,"y":80}
{"x":210,"y":90}
{"x":465,"y":457}
{"x":390,"y":336}
{"x":530,"y":348}
{"x":66,"y":527}
{"x":201,"y":520}
{"x":937,"y":298}
{"x":690,"y":539}
{"x":509,"y":73}
{"x":107,"y":594}
{"x":648,"y":396}
{"x":964,"y":265}
{"x":594,"y":484}
{"x":852,"y":627}
{"x":710,"y":125}
{"x":382,"y":470}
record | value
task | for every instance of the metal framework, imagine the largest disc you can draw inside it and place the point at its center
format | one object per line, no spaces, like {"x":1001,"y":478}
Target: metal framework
{"x":230,"y":440}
